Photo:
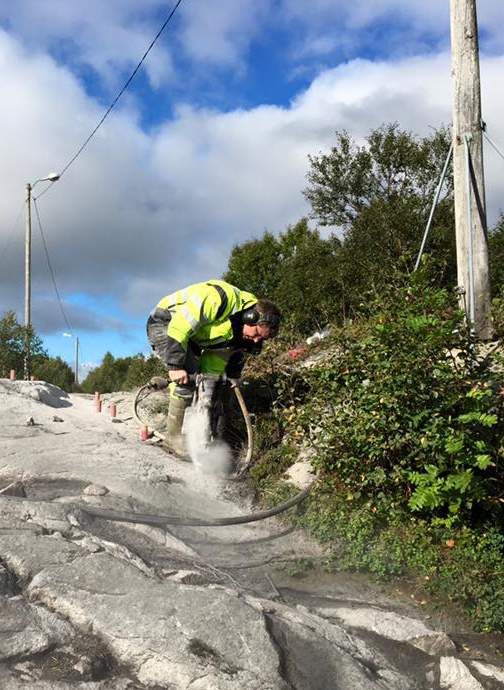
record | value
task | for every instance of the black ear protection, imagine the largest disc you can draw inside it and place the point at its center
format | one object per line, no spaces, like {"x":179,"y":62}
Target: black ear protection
{"x":250,"y":316}
{"x":253,"y":316}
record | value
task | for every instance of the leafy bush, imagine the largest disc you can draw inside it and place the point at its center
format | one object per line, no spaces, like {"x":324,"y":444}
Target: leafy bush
{"x":406,"y":411}
{"x":405,"y":421}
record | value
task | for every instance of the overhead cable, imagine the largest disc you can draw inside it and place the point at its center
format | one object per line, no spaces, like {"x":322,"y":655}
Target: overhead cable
{"x":51,"y":271}
{"x":111,"y":106}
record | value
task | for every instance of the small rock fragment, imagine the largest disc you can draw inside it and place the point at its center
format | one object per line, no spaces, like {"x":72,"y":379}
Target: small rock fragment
{"x":116,"y":420}
{"x":57,"y":419}
{"x":95,"y":490}
{"x":189,"y":577}
{"x":90,"y":545}
{"x":30,"y":421}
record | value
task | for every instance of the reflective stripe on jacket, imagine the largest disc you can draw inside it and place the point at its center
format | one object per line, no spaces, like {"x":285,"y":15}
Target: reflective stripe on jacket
{"x":199,"y":314}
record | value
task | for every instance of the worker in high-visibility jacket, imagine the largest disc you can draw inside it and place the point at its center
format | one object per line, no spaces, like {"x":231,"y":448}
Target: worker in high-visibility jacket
{"x":206,"y":328}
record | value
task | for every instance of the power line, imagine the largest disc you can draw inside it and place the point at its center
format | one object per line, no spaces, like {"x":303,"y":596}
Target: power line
{"x":111,"y":106}
{"x":53,"y":277}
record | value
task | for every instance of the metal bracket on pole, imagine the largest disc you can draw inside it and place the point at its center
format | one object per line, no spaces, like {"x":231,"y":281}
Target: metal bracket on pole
{"x":470,"y":265}
{"x":434,"y":204}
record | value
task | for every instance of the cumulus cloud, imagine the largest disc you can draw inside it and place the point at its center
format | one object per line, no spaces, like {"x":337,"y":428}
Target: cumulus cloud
{"x":106,"y":36}
{"x":382,"y":27}
{"x":140,"y":214}
{"x":110,"y":37}
{"x":221,"y":33}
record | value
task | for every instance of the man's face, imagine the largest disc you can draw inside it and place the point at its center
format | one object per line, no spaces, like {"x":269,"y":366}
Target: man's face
{"x":257,"y":333}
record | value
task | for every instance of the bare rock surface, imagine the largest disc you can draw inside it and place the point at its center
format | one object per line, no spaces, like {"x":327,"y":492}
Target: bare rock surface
{"x":456,"y":676}
{"x":91,"y":603}
{"x":26,"y":629}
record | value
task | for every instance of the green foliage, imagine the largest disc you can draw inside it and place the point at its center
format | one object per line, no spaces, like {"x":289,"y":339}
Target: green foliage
{"x":253,"y":265}
{"x":141,"y":369}
{"x":378,"y":197}
{"x":405,"y":421}
{"x":462,"y":566}
{"x":295,"y":270}
{"x":496,"y":258}
{"x":54,"y":370}
{"x":408,"y":413}
{"x":471,"y":573}
{"x":109,"y":376}
{"x":13,"y":341}
{"x":127,"y":373}
{"x":393,"y":165}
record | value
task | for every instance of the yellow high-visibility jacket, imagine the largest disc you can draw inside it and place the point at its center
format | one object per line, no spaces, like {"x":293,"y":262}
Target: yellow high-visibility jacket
{"x":206,"y":318}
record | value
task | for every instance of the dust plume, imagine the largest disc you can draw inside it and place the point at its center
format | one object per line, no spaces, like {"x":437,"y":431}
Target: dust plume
{"x":213,"y":458}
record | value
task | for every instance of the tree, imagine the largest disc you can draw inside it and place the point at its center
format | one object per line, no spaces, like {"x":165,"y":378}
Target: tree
{"x":109,"y":376}
{"x":253,"y":266}
{"x":379,"y":195}
{"x":142,"y":369}
{"x":54,"y":370}
{"x":13,"y":339}
{"x":309,"y":289}
{"x":297,"y":270}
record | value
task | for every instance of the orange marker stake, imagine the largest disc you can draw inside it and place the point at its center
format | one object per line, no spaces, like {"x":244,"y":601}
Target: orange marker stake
{"x":113,"y":409}
{"x":12,"y":374}
{"x":144,"y":433}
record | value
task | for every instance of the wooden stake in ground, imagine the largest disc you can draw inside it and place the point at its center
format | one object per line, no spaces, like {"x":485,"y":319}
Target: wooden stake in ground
{"x":470,"y":207}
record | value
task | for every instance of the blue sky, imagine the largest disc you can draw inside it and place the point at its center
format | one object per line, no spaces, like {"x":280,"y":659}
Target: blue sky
{"x":208,"y":147}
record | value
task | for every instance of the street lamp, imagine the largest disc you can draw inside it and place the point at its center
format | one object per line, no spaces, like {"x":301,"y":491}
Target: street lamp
{"x":52,"y":177}
{"x":70,"y":335}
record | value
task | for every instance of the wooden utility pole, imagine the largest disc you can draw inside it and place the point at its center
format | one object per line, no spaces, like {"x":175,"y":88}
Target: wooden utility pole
{"x":77,"y":361}
{"x":27,"y":304}
{"x":469,"y":188}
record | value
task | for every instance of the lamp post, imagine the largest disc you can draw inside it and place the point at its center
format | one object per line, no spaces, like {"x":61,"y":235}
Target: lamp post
{"x":52,"y":177}
{"x":69,"y":335}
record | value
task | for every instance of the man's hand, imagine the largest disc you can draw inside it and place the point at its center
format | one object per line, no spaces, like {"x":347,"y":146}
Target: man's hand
{"x":179,"y":375}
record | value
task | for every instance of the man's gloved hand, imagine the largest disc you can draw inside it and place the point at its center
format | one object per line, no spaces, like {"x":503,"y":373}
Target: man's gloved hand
{"x":234,"y":382}
{"x":179,"y":375}
{"x":158,"y":382}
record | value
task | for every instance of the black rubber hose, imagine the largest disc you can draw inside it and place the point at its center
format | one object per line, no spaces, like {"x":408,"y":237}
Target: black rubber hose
{"x":160,"y":520}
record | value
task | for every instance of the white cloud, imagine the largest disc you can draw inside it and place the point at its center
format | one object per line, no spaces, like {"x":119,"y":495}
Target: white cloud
{"x":110,"y":37}
{"x":383,"y":27}
{"x":141,"y":214}
{"x":107,"y":36}
{"x":221,"y":32}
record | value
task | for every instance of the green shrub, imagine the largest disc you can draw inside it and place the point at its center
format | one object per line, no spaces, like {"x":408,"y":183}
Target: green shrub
{"x":407,"y":413}
{"x":406,"y":422}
